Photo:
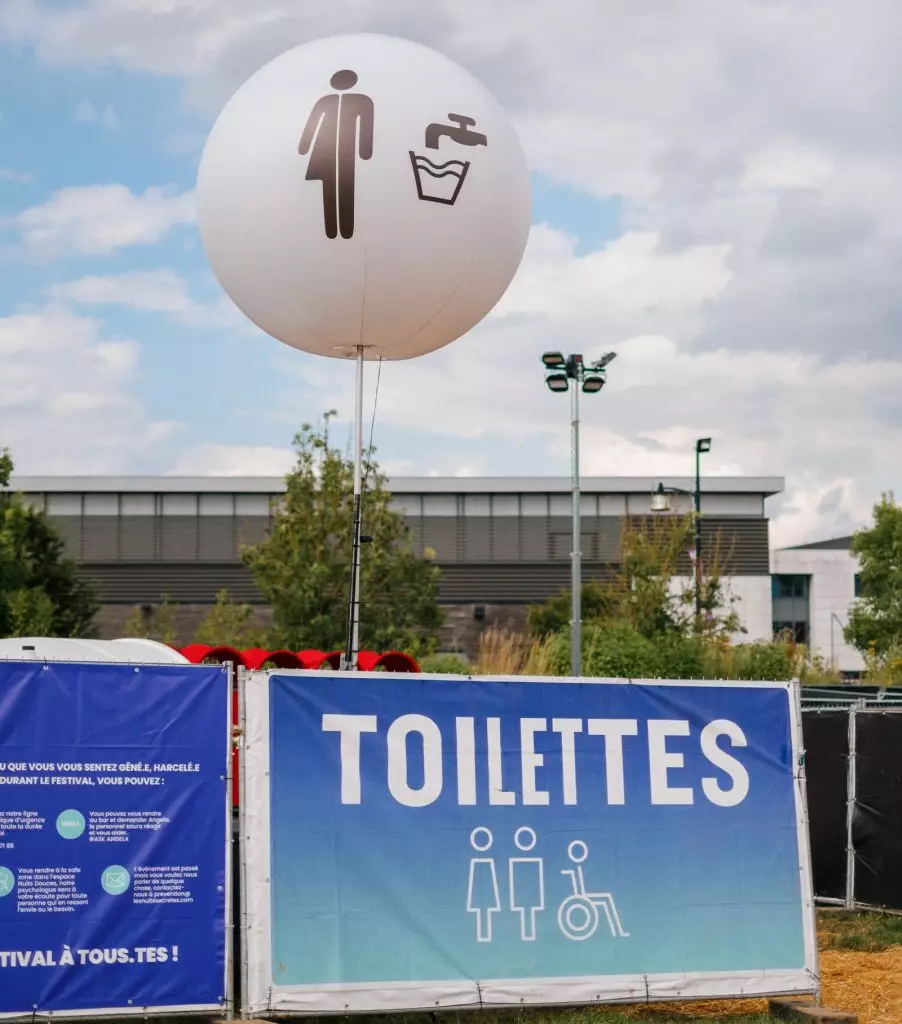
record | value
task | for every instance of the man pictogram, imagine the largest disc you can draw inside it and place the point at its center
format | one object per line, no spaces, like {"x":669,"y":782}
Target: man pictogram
{"x":339,"y":129}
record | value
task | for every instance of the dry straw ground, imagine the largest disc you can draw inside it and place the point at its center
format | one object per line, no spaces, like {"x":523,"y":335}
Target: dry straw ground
{"x":861,"y":971}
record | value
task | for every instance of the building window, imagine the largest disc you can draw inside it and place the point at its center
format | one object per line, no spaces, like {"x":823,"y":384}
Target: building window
{"x":789,"y":586}
{"x":796,"y":631}
{"x":859,"y":589}
{"x":791,"y":612}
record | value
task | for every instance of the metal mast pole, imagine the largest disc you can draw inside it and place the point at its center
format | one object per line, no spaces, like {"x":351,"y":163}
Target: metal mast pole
{"x":576,"y":568}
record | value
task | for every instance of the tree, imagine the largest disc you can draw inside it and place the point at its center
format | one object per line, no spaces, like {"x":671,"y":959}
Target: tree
{"x":40,"y":592}
{"x":229,"y":623}
{"x":157,"y":623}
{"x":640,"y":590}
{"x":303,"y":566}
{"x":596,"y":602}
{"x":875,"y":619}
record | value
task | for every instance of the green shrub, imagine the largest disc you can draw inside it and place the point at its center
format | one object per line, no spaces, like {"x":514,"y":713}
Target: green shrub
{"x":445,"y":665}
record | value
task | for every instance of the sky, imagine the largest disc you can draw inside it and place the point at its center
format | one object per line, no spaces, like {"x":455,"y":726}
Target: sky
{"x":715,"y":197}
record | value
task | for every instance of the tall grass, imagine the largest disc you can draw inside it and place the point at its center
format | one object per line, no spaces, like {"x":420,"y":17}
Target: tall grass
{"x":503,"y":652}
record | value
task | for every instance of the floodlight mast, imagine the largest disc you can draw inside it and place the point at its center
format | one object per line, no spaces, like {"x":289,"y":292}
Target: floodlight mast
{"x":559,"y":372}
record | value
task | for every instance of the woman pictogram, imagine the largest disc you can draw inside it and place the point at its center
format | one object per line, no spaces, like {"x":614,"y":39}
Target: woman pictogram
{"x":483,"y":898}
{"x":338,"y":130}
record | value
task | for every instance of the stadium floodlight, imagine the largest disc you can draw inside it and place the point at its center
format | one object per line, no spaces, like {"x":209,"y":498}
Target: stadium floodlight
{"x":559,"y":371}
{"x":553,"y":360}
{"x":557,"y":381}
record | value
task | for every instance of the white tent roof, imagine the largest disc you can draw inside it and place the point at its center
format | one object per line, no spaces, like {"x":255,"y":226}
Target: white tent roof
{"x":132,"y":650}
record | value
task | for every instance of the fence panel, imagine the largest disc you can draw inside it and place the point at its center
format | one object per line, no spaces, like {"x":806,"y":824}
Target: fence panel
{"x":428,"y":843}
{"x":826,"y":736}
{"x":114,"y":820}
{"x":877,"y":820}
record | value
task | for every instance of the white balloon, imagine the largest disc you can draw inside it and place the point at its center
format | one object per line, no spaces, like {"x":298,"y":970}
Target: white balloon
{"x":364,"y":190}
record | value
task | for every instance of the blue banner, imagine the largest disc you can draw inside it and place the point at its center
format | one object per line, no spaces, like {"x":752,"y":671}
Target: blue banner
{"x":461,"y":832}
{"x":113,"y":837}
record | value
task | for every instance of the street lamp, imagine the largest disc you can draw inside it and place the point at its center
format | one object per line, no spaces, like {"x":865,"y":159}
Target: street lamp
{"x":660,"y":497}
{"x":589,"y":378}
{"x":702,"y":446}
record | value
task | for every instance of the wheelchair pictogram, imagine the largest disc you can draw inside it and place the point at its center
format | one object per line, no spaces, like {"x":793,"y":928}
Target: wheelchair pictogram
{"x":578,"y":915}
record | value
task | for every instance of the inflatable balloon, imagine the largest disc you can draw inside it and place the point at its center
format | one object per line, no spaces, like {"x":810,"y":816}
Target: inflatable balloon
{"x":364,"y":191}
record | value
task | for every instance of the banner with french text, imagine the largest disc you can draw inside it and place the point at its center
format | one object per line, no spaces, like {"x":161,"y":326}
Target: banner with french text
{"x":418,"y":843}
{"x":113,"y":838}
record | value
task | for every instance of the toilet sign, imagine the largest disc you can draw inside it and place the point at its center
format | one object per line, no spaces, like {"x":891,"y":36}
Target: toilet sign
{"x":417,"y":843}
{"x":364,"y":190}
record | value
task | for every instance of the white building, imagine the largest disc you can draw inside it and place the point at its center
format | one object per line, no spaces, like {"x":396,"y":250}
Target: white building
{"x":813,"y":587}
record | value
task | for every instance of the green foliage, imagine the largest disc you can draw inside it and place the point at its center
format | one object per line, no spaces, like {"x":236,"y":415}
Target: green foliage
{"x":228,"y":622}
{"x":159,"y":624}
{"x":597,"y":602}
{"x":445,"y":665}
{"x":30,"y":612}
{"x":303,"y":566}
{"x":619,"y":650}
{"x":884,"y":668}
{"x":875,"y":619}
{"x":40,"y":593}
{"x":640,"y":590}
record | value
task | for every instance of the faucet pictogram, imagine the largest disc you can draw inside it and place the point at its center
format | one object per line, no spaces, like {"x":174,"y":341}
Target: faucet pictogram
{"x":461,"y":133}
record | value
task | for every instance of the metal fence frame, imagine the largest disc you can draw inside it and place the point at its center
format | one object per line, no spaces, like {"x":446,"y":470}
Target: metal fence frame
{"x":850,"y":701}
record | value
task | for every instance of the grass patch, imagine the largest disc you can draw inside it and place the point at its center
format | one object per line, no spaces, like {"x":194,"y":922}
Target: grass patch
{"x":864,"y":931}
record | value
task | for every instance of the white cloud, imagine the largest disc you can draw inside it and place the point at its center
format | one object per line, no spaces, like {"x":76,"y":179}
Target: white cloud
{"x":96,"y":220}
{"x":156,"y":290}
{"x":21,"y":177}
{"x":787,"y":166}
{"x":66,"y":396}
{"x":234,"y":460}
{"x":104,"y":117}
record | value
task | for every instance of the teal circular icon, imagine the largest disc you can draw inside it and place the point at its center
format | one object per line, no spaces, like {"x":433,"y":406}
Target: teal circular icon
{"x":7,"y":882}
{"x":70,"y":824}
{"x":115,"y":880}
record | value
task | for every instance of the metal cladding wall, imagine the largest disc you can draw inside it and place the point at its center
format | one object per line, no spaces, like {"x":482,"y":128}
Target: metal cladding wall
{"x":135,"y":559}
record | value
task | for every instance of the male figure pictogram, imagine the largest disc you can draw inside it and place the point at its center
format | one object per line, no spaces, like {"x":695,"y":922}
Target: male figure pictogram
{"x":338,"y":130}
{"x":527,"y":883}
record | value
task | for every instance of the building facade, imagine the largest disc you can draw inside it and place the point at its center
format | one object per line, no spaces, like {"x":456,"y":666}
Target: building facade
{"x":501,"y":543}
{"x":814,"y":586}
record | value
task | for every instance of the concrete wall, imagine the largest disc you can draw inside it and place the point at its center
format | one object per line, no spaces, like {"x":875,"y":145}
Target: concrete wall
{"x":832,"y":591}
{"x":752,"y":603}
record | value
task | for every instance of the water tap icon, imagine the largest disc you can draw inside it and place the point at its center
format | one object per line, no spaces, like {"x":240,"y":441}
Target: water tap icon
{"x":461,"y":134}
